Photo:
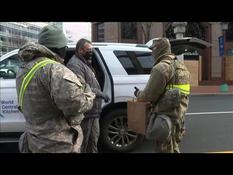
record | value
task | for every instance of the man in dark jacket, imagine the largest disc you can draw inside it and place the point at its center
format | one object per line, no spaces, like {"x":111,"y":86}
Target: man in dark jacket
{"x":80,"y":64}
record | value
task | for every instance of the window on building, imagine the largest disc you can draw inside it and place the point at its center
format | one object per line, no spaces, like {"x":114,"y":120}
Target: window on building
{"x":129,"y":30}
{"x":4,"y":49}
{"x":2,"y":38}
{"x":229,"y":33}
{"x":135,"y":62}
{"x":100,"y":32}
{"x":2,"y":28}
{"x":35,"y":36}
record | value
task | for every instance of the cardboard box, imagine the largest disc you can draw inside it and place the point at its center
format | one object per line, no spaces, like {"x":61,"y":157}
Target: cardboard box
{"x":137,"y":114}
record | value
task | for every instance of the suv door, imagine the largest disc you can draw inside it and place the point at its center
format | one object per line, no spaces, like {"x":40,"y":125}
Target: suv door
{"x":11,"y":120}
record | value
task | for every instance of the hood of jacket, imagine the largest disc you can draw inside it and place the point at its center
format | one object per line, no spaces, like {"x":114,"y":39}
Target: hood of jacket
{"x":162,"y":50}
{"x":31,"y":51}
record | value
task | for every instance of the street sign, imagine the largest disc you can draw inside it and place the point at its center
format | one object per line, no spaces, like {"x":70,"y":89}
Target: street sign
{"x":221,"y":45}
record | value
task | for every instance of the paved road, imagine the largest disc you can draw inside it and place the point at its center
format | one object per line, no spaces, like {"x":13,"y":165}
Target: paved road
{"x":209,"y":124}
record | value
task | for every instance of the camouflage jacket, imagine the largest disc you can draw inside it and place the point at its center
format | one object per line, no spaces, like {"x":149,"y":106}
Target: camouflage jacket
{"x":53,"y":104}
{"x":81,"y":68}
{"x":167,"y":71}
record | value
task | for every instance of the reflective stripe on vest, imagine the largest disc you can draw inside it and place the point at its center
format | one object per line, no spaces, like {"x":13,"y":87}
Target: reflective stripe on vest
{"x":28,"y":77}
{"x":184,"y":88}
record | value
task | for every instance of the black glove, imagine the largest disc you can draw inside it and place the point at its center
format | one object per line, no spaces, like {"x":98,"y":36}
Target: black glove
{"x":106,"y":98}
{"x":136,"y":91}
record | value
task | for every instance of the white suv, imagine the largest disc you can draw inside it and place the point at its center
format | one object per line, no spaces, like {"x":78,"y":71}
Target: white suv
{"x":119,"y":68}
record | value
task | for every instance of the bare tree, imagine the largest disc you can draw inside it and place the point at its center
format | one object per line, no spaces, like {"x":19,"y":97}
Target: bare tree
{"x":169,"y":32}
{"x":195,"y":29}
{"x":146,"y":28}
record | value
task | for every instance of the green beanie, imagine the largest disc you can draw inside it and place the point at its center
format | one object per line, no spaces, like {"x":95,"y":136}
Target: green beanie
{"x":52,"y":37}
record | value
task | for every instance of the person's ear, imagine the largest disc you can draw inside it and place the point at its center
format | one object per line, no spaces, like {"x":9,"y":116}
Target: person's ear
{"x":78,"y":51}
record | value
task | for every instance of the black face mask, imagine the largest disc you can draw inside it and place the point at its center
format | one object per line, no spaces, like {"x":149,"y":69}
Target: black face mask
{"x":88,"y":55}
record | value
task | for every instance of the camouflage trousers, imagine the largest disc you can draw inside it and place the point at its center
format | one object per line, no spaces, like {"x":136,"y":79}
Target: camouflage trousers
{"x":171,"y":146}
{"x":91,"y":132}
{"x":169,"y":135}
{"x":57,"y":142}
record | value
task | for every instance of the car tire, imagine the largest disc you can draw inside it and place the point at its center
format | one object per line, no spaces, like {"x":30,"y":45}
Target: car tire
{"x":114,"y":134}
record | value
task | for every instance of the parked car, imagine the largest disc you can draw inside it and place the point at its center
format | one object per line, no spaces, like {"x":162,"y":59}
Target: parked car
{"x":119,"y":68}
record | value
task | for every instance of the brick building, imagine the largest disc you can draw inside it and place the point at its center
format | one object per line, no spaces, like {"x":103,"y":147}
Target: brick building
{"x":15,"y":34}
{"x":208,"y":69}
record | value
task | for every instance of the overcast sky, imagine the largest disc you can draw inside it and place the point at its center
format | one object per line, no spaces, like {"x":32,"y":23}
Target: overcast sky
{"x":77,"y":30}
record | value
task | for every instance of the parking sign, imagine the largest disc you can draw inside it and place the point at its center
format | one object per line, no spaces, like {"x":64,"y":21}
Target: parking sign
{"x":221,"y":45}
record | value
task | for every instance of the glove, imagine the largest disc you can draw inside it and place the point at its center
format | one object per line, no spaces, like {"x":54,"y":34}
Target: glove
{"x":106,"y":98}
{"x":136,"y":91}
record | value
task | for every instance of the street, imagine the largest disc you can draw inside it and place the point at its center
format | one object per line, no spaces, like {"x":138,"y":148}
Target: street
{"x":209,"y":124}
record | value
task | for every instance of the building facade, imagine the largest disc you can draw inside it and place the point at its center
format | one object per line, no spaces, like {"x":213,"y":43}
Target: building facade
{"x":213,"y":68}
{"x":15,"y":34}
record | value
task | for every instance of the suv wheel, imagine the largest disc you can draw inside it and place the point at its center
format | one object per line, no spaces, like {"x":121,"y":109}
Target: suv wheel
{"x":114,"y":133}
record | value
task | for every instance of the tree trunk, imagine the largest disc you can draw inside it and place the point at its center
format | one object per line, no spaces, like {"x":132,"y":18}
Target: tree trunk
{"x":146,"y":28}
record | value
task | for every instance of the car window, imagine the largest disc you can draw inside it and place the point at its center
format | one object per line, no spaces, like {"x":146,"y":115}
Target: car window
{"x":126,"y":62}
{"x":146,"y":61}
{"x":9,"y":67}
{"x":135,"y":62}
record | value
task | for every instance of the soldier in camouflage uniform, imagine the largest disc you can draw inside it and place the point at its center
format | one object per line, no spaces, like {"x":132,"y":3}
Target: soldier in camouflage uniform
{"x":168,"y":90}
{"x":54,"y":100}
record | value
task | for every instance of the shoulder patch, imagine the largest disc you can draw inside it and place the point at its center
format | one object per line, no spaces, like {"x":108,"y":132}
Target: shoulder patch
{"x":70,"y":76}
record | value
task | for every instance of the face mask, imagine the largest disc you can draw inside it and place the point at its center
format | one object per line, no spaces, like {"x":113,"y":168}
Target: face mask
{"x":88,"y":55}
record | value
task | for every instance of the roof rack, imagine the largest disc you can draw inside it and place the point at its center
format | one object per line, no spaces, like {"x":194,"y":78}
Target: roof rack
{"x":117,"y":44}
{"x":110,"y":44}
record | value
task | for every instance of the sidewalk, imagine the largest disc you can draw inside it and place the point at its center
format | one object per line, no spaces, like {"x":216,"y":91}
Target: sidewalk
{"x":210,"y":90}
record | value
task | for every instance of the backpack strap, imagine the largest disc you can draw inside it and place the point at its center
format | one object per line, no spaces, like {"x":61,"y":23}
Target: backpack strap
{"x":172,"y":63}
{"x":184,"y":88}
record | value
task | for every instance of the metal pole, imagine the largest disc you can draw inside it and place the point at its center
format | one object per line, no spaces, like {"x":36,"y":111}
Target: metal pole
{"x":224,"y":28}
{"x":179,"y":30}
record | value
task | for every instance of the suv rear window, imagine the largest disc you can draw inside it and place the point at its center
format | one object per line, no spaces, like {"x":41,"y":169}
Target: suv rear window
{"x":135,"y":62}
